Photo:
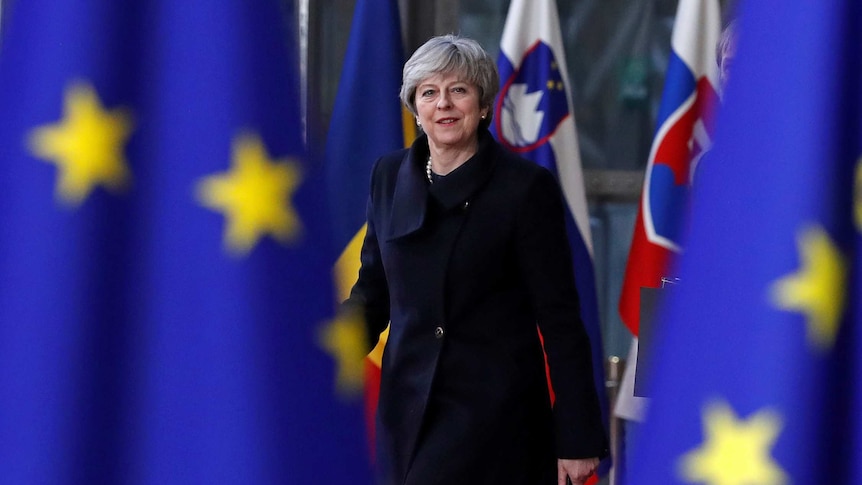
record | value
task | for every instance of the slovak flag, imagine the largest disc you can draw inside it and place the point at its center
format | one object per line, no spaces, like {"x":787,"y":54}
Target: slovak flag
{"x":684,"y":132}
{"x":533,"y":117}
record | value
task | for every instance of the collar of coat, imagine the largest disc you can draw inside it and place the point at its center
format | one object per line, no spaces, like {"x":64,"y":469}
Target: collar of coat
{"x":412,"y":190}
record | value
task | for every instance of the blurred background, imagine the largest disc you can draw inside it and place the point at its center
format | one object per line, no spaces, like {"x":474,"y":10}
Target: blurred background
{"x":616,"y":52}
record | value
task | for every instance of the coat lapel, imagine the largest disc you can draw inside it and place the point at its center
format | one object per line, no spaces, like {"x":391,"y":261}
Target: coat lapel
{"x":410,"y":200}
{"x":458,"y":187}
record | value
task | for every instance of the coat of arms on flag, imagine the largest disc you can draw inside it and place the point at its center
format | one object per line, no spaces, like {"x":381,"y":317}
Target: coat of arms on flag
{"x":532,"y":101}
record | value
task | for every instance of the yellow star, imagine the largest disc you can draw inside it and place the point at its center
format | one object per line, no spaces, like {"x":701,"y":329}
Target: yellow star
{"x":734,"y":452}
{"x":344,"y":338}
{"x":254,"y":196}
{"x":817,"y":289}
{"x":86,"y":145}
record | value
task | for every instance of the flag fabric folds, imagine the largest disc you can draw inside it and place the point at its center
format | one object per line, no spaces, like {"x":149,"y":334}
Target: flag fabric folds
{"x":164,"y":255}
{"x":684,"y":131}
{"x":533,"y":117}
{"x":759,"y":360}
{"x":366,"y":119}
{"x":367,"y":122}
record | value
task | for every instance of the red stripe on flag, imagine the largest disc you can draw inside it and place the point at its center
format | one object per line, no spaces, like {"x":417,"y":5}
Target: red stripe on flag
{"x":372,"y":393}
{"x":647,"y":262}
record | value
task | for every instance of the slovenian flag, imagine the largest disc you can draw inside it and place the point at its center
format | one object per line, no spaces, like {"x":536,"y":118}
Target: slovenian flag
{"x":533,"y":117}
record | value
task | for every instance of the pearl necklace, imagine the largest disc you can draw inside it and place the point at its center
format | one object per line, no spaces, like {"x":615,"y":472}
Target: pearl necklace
{"x":428,"y":170}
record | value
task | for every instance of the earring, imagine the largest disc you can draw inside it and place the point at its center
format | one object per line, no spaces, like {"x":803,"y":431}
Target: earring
{"x":417,"y":122}
{"x":483,"y":117}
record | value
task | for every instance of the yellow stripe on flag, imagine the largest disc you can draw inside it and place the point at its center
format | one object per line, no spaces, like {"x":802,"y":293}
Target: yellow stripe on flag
{"x":409,"y":125}
{"x":346,"y":273}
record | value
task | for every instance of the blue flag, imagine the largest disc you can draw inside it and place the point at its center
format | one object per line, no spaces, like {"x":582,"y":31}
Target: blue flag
{"x":759,"y":353}
{"x":533,"y":117}
{"x":367,"y":116}
{"x":165,"y":289}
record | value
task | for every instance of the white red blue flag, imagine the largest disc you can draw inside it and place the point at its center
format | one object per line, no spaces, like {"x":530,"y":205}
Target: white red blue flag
{"x":756,"y":376}
{"x":684,"y":131}
{"x":533,"y":117}
{"x":164,"y":251}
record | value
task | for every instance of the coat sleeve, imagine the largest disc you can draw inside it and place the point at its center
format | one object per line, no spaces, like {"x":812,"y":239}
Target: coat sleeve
{"x":369,"y":297}
{"x":545,"y":261}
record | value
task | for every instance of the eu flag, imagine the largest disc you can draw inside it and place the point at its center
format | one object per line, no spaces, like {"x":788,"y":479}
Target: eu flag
{"x":759,"y":358}
{"x":165,"y":289}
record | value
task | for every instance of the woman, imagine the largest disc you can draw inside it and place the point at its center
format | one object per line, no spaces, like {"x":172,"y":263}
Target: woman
{"x":465,"y":254}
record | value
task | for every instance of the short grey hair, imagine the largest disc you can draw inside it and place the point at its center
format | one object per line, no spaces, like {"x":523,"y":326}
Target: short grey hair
{"x":452,"y":54}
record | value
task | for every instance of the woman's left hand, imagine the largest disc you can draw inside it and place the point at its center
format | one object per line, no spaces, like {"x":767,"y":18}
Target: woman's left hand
{"x":578,"y":471}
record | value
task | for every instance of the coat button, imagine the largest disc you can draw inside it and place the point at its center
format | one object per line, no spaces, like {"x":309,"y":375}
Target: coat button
{"x":438,"y":332}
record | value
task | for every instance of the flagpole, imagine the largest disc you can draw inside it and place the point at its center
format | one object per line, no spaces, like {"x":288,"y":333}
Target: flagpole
{"x":303,"y":21}
{"x":615,"y":367}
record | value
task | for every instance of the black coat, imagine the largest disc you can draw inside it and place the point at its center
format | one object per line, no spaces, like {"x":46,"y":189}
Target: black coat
{"x":465,"y":269}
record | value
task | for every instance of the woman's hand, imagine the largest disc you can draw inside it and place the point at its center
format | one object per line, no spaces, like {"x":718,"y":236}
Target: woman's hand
{"x":578,"y":471}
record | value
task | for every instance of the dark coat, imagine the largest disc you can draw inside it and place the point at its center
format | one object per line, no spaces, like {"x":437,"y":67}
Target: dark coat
{"x":465,"y":269}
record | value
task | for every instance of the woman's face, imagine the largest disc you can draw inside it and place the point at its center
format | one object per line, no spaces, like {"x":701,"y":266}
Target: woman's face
{"x":449,"y":111}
